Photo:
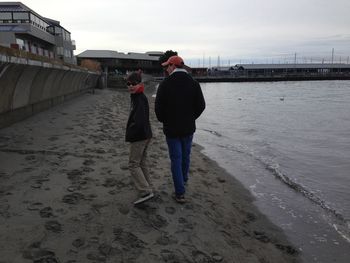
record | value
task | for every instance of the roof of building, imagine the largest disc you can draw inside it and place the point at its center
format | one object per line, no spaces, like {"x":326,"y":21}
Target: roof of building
{"x":12,"y":7}
{"x":155,"y":53}
{"x":115,"y":54}
{"x":294,"y":65}
{"x":18,"y":6}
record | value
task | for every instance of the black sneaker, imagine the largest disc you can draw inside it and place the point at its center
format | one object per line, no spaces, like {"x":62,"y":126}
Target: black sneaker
{"x":144,"y":198}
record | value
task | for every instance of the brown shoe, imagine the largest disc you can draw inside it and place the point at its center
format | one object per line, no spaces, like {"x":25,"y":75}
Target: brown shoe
{"x":179,"y":198}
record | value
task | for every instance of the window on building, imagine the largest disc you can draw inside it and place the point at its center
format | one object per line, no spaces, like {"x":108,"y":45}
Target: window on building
{"x":50,"y":29}
{"x":20,"y":43}
{"x":20,"y":16}
{"x":59,"y":50}
{"x":58,"y":30}
{"x":67,"y":53}
{"x":5,"y":16}
{"x":34,"y":49}
{"x":40,"y":51}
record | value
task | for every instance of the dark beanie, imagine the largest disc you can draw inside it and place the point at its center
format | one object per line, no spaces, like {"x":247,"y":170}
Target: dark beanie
{"x":134,"y":77}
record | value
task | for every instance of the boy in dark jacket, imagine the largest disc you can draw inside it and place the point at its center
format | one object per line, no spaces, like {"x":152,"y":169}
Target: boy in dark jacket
{"x":139,"y":134}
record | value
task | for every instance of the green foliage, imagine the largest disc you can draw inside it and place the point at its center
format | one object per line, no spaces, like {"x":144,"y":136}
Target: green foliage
{"x":167,"y":55}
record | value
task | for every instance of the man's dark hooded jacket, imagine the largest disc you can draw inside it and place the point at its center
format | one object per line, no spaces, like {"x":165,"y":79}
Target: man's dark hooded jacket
{"x":178,"y":104}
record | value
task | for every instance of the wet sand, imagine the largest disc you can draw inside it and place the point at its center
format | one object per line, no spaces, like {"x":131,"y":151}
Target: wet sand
{"x":66,"y":196}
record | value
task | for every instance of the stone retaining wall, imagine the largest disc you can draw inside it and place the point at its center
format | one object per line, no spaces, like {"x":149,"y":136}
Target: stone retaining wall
{"x":28,"y":86}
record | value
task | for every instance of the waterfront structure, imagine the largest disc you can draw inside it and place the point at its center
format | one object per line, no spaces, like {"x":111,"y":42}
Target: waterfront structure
{"x":274,"y":72}
{"x":292,"y":69}
{"x":24,"y":29}
{"x":263,"y":70}
{"x":113,"y":62}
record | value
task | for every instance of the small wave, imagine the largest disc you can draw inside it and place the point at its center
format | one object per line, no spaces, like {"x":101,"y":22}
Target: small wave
{"x":302,"y":189}
{"x":274,"y":169}
{"x":213,"y":132}
{"x":341,"y":232}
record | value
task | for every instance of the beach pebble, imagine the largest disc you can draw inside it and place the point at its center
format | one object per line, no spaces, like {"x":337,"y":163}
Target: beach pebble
{"x":217,"y":257}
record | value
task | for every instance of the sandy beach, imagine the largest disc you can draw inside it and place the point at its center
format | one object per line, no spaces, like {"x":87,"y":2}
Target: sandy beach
{"x":66,"y":196}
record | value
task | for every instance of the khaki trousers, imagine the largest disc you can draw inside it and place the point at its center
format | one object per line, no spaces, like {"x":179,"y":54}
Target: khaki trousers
{"x":137,"y":166}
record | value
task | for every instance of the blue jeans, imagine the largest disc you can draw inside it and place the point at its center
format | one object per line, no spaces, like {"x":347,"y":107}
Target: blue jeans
{"x":179,"y":152}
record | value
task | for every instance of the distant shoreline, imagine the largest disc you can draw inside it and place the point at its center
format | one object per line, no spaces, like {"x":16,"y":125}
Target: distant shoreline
{"x":264,"y":79}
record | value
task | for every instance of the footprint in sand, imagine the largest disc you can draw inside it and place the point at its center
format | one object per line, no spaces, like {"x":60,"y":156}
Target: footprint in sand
{"x":53,"y":138}
{"x":36,"y":185}
{"x":199,"y":256}
{"x":124,"y":167}
{"x":30,"y":158}
{"x":123,"y":209}
{"x":89,"y":162}
{"x":4,"y":207}
{"x":78,"y":243}
{"x":128,"y":241}
{"x":185,"y":223}
{"x":95,"y":256}
{"x":221,"y":180}
{"x":170,"y":210}
{"x":73,"y":199}
{"x":46,"y":212}
{"x":165,"y":240}
{"x":109,"y":182}
{"x":35,"y":206}
{"x":261,"y":236}
{"x":53,"y":226}
{"x":36,"y":254}
{"x":170,"y":256}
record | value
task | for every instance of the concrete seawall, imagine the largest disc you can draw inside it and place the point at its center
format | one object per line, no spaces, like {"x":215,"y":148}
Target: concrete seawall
{"x":28,"y":86}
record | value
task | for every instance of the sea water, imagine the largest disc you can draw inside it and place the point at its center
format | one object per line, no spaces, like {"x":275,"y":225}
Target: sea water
{"x":289,"y":144}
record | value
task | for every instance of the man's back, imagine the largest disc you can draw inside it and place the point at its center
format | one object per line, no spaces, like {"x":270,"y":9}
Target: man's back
{"x":179,"y":103}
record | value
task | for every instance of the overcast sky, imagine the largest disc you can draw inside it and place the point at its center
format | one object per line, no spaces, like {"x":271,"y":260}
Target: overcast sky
{"x":234,"y":30}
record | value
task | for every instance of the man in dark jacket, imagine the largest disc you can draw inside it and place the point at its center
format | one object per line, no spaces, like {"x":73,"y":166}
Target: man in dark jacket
{"x":139,"y":134}
{"x":178,"y":104}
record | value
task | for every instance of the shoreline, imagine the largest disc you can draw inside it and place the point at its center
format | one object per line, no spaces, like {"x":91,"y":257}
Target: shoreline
{"x":66,"y":196}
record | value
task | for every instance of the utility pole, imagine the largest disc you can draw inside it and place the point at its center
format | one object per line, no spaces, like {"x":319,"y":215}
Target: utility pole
{"x":218,"y":61}
{"x":332,"y":55}
{"x":295,"y":58}
{"x":209,"y":61}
